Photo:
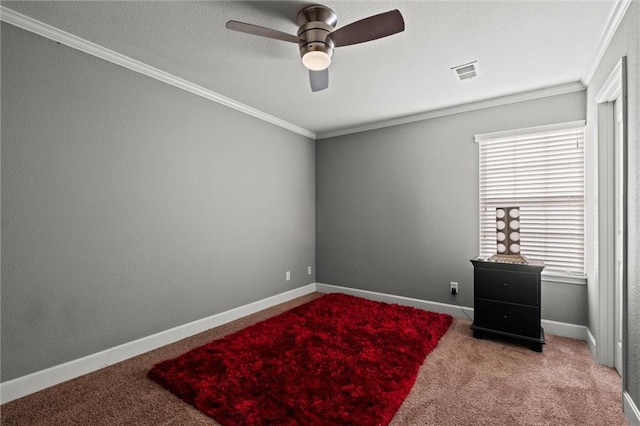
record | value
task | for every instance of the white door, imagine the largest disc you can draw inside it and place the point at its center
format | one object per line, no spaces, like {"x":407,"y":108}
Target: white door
{"x":619,"y":231}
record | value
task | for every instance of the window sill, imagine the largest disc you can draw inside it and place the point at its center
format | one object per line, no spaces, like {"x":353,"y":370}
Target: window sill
{"x":559,"y":277}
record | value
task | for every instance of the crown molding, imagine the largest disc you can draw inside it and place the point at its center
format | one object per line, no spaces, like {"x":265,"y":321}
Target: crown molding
{"x":617,"y":12}
{"x":45,"y":30}
{"x":457,"y":109}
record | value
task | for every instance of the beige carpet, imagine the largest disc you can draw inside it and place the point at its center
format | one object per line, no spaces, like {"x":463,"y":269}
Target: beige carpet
{"x":464,"y":381}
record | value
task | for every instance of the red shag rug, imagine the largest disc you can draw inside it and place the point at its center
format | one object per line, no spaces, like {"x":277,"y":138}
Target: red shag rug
{"x":338,"y":359}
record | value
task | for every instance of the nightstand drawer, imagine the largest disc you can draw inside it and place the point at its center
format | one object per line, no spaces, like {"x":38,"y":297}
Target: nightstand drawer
{"x":506,"y":286}
{"x":506,"y":317}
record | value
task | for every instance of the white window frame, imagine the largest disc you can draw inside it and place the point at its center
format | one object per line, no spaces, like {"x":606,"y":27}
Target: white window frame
{"x":549,"y":274}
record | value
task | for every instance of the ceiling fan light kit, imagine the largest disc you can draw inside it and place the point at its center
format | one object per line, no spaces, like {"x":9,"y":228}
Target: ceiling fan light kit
{"x":316,"y":60}
{"x":317,"y":36}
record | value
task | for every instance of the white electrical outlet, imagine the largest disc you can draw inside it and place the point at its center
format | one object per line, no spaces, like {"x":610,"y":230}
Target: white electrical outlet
{"x":309,"y":270}
{"x":287,"y":275}
{"x":453,"y":287}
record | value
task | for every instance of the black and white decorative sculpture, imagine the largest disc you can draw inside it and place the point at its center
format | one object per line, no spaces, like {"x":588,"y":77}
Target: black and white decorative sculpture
{"x":508,"y":236}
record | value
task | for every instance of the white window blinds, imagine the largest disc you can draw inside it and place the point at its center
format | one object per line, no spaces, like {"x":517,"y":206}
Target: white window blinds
{"x":540,"y":170}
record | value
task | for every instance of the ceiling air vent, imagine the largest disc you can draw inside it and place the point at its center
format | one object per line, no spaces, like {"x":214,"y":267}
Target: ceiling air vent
{"x":466,"y":71}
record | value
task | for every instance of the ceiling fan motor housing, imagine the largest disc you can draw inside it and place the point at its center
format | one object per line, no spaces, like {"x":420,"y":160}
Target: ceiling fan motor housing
{"x":315,"y":23}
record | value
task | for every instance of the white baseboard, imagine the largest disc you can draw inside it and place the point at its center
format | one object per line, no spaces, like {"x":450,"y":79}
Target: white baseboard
{"x":39,"y":380}
{"x":630,"y":409}
{"x":453,"y":310}
{"x":552,"y":327}
{"x":591,"y":342}
{"x":565,"y":329}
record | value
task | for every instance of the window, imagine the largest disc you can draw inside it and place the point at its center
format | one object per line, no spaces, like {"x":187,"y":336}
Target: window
{"x":540,"y":170}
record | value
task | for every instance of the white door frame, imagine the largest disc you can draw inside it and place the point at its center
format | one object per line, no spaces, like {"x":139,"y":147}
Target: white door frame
{"x":619,"y":231}
{"x":615,"y":86}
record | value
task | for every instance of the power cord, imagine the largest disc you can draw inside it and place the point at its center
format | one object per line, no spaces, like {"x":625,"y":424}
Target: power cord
{"x":454,"y":293}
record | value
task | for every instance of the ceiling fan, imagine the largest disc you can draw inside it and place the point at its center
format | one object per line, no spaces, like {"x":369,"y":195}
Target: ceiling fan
{"x":317,"y":36}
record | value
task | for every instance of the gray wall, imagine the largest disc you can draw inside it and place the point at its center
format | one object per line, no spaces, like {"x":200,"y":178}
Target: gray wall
{"x":397,"y":208}
{"x":626,"y":42}
{"x":130,"y":207}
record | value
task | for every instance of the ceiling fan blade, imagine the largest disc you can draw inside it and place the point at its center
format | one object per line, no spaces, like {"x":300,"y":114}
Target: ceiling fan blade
{"x":243,"y":27}
{"x":319,"y":79}
{"x":367,"y":29}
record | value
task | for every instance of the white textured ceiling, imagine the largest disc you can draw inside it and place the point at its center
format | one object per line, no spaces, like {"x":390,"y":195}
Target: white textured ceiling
{"x":519,"y":45}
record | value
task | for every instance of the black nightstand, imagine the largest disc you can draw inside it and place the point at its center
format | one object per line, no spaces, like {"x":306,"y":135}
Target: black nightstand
{"x":506,"y":301}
